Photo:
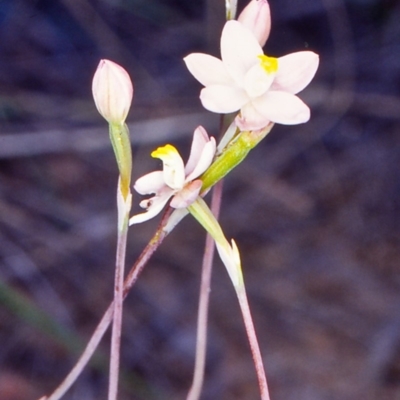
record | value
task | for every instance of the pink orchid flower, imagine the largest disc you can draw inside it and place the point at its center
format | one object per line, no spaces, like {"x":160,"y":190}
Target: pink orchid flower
{"x":263,"y":88}
{"x":175,"y":180}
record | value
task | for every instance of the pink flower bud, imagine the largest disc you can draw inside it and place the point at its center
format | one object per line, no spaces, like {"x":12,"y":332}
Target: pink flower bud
{"x":112,"y":91}
{"x":256,"y":16}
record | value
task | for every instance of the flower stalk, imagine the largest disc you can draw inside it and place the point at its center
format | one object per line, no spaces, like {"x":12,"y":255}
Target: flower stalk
{"x":119,"y":136}
{"x":230,"y":256}
{"x":124,"y":206}
{"x":112,"y":93}
{"x":232,"y":155}
{"x":254,"y":346}
{"x":205,"y":289}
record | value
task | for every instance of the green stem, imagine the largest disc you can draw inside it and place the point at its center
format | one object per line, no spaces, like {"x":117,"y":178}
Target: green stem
{"x":124,"y":206}
{"x":234,"y":153}
{"x":119,"y":136}
{"x":206,"y":218}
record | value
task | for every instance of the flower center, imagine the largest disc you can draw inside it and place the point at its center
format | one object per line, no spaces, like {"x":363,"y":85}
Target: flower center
{"x":268,"y":64}
{"x":260,"y":76}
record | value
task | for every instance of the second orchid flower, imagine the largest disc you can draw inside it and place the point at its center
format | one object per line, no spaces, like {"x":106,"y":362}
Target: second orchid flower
{"x":176,"y":180}
{"x":262,"y":88}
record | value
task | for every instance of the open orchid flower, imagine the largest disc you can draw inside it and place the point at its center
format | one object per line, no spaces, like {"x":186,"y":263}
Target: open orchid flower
{"x":175,"y":180}
{"x":263,"y":88}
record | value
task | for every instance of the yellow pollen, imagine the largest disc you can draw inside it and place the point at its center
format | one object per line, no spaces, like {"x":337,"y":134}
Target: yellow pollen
{"x":164,"y":151}
{"x":269,"y":64}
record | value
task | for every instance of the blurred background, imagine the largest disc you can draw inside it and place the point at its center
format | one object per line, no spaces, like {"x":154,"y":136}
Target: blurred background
{"x":314,"y":208}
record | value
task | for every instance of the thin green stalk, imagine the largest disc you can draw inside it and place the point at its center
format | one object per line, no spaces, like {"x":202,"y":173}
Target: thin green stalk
{"x":233,"y":154}
{"x":202,"y":213}
{"x":118,"y":303}
{"x":119,"y":136}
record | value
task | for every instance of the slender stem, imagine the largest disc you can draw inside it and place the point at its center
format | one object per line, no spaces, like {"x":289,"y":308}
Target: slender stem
{"x":205,"y":288}
{"x":85,"y":357}
{"x":119,"y":135}
{"x":118,"y":305}
{"x":255,"y":349}
{"x":101,"y":328}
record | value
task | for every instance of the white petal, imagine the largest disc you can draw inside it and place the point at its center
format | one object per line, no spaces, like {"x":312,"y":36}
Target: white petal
{"x":200,"y":138}
{"x":150,"y":183}
{"x":295,"y":71}
{"x":223,"y":99}
{"x":205,"y":160}
{"x":239,"y":50}
{"x":282,"y":108}
{"x":208,"y":70}
{"x":157,"y":204}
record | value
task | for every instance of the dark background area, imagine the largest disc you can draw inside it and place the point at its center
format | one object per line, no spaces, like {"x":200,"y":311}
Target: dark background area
{"x":314,"y":209}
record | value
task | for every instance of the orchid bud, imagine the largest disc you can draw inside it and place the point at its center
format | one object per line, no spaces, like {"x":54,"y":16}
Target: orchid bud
{"x":112,"y":91}
{"x":256,"y":16}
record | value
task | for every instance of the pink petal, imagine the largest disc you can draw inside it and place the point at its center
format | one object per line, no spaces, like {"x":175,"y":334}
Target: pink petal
{"x":205,"y":160}
{"x":200,"y":138}
{"x":295,"y":71}
{"x":187,"y":195}
{"x":256,"y":16}
{"x":223,"y":99}
{"x":239,"y":50}
{"x":282,"y":108}
{"x":208,"y":70}
{"x":150,"y":183}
